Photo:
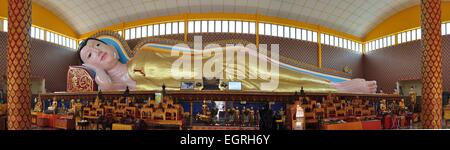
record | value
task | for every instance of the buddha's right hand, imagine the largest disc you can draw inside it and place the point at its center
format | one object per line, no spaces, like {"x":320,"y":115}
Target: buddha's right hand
{"x":101,"y":77}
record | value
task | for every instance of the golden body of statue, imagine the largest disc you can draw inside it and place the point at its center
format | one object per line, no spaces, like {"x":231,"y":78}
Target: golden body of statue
{"x":153,"y":66}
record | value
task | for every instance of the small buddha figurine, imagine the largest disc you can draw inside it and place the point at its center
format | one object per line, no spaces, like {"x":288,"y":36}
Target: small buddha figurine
{"x":237,"y":115}
{"x":252,"y":116}
{"x":38,"y":105}
{"x":63,"y":106}
{"x":72,"y":106}
{"x":413,"y":96}
{"x":383,"y":106}
{"x":54,"y":104}
{"x":401,"y":104}
{"x":204,"y":108}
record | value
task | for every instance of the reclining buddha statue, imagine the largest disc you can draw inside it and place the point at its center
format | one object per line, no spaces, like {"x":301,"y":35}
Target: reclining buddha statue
{"x":154,"y":65}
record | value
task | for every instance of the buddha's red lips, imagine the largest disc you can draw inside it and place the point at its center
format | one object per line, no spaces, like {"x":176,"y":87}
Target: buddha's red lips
{"x":102,"y":56}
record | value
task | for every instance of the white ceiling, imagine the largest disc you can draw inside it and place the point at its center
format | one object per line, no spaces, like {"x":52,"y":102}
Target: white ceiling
{"x":356,"y":17}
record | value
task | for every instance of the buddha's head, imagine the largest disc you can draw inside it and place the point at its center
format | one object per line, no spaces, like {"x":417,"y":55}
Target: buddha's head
{"x":98,"y":54}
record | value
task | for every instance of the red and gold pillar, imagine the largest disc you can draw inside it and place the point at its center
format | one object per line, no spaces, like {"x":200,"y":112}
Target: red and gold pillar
{"x":431,"y":64}
{"x":18,"y":65}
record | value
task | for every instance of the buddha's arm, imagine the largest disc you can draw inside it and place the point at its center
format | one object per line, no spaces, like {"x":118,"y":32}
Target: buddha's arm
{"x":105,"y":83}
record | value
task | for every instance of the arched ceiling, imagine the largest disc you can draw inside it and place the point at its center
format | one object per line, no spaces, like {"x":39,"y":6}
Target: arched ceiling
{"x":355,"y":17}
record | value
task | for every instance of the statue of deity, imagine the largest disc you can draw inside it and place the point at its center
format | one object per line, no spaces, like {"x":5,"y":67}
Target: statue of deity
{"x":54,"y":105}
{"x":38,"y":105}
{"x":383,"y":106}
{"x":237,"y":116}
{"x":141,"y":74}
{"x":413,"y":97}
{"x":252,"y":116}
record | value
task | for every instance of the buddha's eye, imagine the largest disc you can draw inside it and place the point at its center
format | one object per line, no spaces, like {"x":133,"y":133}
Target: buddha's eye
{"x":98,"y":44}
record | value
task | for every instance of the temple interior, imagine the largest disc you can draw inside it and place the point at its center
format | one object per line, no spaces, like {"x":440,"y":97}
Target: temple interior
{"x":224,"y":65}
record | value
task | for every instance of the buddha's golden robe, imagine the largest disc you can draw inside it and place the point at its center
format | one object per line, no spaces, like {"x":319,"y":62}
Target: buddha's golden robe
{"x":151,"y":67}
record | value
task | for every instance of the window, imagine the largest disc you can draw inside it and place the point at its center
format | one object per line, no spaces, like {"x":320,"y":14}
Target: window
{"x":48,"y":36}
{"x":33,"y":32}
{"x":168,"y":28}
{"x":403,"y":37}
{"x":197,"y":27}
{"x":326,"y":39}
{"x":138,"y":32}
{"x":238,"y":27}
{"x":274,"y":30}
{"x":150,"y":30}
{"x":261,"y":29}
{"x":393,"y":39}
{"x":331,"y":40}
{"x":204,"y":26}
{"x":211,"y":26}
{"x":447,"y":28}
{"x":218,"y":26}
{"x":253,"y":28}
{"x":388,"y":41}
{"x":120,"y":33}
{"x":127,"y":34}
{"x":39,"y":33}
{"x":322,"y":38}
{"x":286,"y":32}
{"x":344,"y":45}
{"x":292,"y":36}
{"x":443,"y":29}
{"x":408,"y":36}
{"x":54,"y":38}
{"x":175,"y":28}
{"x":64,"y":41}
{"x":268,"y":29}
{"x":156,"y":30}
{"x":225,"y":26}
{"x":298,"y":34}
{"x":144,"y":31}
{"x":60,"y":40}
{"x":399,"y":38}
{"x":309,"y":35}
{"x":181,"y":27}
{"x":5,"y":25}
{"x":413,"y":35}
{"x":314,"y":37}
{"x":304,"y":35}
{"x":232,"y":26}
{"x":190,"y":27}
{"x":133,"y":33}
{"x":353,"y":46}
{"x":419,"y":33}
{"x":280,"y":31}
{"x":245,"y":27}
{"x":162,"y":29}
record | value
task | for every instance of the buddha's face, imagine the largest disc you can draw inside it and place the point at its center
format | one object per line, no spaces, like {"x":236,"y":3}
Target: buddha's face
{"x":99,"y":55}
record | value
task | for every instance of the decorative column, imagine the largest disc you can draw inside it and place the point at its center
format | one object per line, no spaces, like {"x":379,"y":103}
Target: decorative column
{"x":431,"y":64}
{"x":18,"y":61}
